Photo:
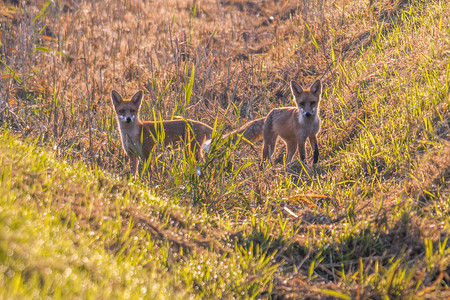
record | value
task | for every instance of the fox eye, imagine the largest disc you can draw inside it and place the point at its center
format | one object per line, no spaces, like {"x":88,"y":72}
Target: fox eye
{"x":132,"y":111}
{"x":302,"y":103}
{"x":122,"y":111}
{"x":312,"y":102}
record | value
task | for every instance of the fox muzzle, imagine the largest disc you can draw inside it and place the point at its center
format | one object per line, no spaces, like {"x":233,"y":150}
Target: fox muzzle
{"x":126,"y":119}
{"x":308,"y":113}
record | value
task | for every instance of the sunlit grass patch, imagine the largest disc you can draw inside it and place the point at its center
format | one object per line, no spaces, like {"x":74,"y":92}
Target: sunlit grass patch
{"x":113,"y":227}
{"x":44,"y":252}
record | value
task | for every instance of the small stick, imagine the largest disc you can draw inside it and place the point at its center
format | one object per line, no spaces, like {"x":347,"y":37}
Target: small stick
{"x":290,"y":212}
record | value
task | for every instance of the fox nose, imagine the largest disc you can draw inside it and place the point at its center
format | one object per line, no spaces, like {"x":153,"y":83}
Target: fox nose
{"x":308,"y":114}
{"x":128,"y":119}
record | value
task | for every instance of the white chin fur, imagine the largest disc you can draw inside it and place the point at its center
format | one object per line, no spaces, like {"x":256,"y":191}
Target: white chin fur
{"x":207,"y":146}
{"x":301,"y":118}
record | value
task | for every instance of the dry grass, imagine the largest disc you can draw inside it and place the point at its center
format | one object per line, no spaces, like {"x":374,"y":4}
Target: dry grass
{"x":380,"y":190}
{"x":244,"y":54}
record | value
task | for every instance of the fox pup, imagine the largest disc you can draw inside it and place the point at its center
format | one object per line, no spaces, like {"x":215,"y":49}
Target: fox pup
{"x":138,"y":137}
{"x":294,"y":124}
{"x":252,"y":132}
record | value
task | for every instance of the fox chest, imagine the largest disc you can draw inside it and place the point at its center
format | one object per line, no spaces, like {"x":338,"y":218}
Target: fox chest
{"x":306,"y":127}
{"x":131,"y":139}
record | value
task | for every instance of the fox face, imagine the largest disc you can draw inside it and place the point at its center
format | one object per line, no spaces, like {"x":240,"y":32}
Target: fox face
{"x":307,"y":100}
{"x":126,"y":110}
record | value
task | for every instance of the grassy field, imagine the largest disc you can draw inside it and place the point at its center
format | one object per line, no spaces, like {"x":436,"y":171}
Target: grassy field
{"x":370,"y":220}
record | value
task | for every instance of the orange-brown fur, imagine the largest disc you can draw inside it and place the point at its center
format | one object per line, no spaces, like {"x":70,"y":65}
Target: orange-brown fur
{"x":140,"y":137}
{"x":250,"y":132}
{"x":294,"y":124}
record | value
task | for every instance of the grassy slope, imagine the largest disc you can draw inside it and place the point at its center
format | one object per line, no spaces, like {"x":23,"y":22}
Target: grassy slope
{"x":95,"y":236}
{"x":45,"y":251}
{"x":383,"y":226}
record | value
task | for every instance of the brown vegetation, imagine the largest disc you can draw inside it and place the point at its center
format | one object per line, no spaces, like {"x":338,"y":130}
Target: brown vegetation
{"x":373,"y":198}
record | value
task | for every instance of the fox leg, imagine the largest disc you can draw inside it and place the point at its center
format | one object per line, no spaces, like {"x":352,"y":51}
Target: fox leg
{"x":197,"y":150}
{"x":199,"y":155}
{"x":301,"y":149}
{"x":266,"y":152}
{"x":202,"y":140}
{"x":291,"y":147}
{"x":268,"y":147}
{"x":133,"y":164}
{"x":197,"y":139}
{"x":314,"y":146}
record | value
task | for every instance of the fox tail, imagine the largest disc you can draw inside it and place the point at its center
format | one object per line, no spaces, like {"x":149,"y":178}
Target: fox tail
{"x":251,"y":132}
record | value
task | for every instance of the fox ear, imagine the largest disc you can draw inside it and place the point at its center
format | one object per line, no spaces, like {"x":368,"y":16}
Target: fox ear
{"x":316,"y":88}
{"x":116,"y":98}
{"x":296,"y":89}
{"x":137,"y":98}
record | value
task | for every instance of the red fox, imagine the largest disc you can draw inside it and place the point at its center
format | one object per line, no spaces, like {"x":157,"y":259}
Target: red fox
{"x":140,"y":137}
{"x":294,"y":124}
{"x":252,"y":132}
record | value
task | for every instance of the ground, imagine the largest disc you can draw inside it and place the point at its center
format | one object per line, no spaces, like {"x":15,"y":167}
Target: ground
{"x":370,"y":220}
